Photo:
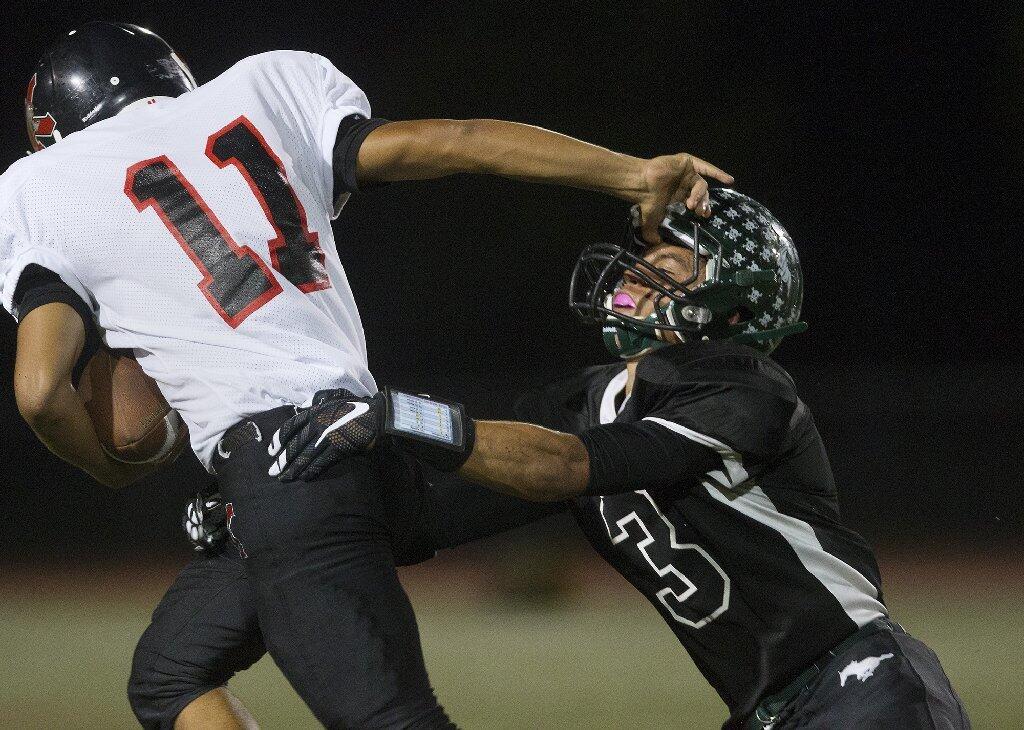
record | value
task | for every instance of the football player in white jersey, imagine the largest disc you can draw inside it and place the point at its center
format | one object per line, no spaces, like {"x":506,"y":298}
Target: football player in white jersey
{"x":192,"y":226}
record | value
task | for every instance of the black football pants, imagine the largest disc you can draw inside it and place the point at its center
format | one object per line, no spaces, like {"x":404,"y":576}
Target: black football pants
{"x":319,"y":558}
{"x":887,"y":680}
{"x":206,"y":628}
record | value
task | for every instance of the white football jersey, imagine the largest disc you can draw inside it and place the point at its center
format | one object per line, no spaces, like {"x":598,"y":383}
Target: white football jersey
{"x":199,"y":231}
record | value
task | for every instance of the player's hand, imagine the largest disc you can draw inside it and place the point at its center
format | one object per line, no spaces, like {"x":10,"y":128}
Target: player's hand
{"x":205,"y":520}
{"x":337,"y":425}
{"x":671,"y":179}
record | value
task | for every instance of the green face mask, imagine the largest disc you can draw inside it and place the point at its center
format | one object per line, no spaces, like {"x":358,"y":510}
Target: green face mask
{"x":627,"y":341}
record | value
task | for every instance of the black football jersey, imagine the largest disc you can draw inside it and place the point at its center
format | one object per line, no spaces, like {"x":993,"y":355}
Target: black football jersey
{"x":749,"y":565}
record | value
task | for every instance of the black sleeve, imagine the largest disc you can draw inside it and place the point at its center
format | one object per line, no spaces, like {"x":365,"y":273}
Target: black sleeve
{"x":352,"y":131}
{"x":625,"y":457}
{"x":722,"y":417}
{"x":739,"y":399}
{"x":37,"y":286}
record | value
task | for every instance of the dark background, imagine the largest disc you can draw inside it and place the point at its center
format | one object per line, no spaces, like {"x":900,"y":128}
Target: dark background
{"x":887,"y":140}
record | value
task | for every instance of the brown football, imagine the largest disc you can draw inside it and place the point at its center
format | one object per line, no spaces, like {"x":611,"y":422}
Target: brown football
{"x":133,"y":421}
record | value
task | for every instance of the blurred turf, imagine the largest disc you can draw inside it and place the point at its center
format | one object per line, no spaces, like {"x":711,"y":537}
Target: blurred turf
{"x":64,"y":657}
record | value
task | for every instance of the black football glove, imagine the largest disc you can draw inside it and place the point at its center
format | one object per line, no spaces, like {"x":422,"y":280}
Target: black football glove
{"x":205,"y":520}
{"x":336,"y":426}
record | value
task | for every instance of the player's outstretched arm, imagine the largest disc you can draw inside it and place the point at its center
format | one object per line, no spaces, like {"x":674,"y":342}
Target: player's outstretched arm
{"x":50,"y":340}
{"x":538,"y":464}
{"x":520,"y":459}
{"x":432,"y":148}
{"x":527,"y":461}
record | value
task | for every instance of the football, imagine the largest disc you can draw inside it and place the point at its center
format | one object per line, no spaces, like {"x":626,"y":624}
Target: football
{"x":133,"y":421}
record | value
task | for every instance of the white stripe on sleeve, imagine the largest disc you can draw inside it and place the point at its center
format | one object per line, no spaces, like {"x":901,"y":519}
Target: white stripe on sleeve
{"x":733,"y":487}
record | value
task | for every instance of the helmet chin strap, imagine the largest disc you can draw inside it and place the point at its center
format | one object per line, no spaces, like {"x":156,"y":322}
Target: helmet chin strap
{"x":632,"y":340}
{"x":628,"y":343}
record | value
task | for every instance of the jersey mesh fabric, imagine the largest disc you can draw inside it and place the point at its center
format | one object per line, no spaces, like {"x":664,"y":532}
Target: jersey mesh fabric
{"x":66,"y":208}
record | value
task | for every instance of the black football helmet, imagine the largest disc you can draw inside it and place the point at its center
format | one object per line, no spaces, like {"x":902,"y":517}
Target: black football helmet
{"x":93,"y":73}
{"x":751,"y":270}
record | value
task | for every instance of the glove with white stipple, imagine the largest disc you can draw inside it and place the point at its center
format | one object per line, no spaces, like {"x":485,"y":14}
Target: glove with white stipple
{"x":337,"y":425}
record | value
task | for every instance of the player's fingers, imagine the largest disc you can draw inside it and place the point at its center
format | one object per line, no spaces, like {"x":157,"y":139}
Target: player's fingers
{"x":279,"y":465}
{"x":283,"y":436}
{"x":286,"y":472}
{"x":292,"y":427}
{"x":290,"y":453}
{"x":324,"y":461}
{"x":698,"y":200}
{"x":649,"y":221}
{"x":297,"y":469}
{"x":704,"y":167}
{"x":289,"y":442}
{"x":690,"y":187}
{"x":297,"y":460}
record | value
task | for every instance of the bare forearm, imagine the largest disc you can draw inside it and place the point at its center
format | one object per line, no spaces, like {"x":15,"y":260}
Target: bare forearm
{"x":527,"y":461}
{"x":50,"y":340}
{"x":432,"y":148}
{"x":64,"y":427}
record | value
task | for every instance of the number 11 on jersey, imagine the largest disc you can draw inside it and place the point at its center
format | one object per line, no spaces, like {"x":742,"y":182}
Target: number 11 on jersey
{"x":236,"y":281}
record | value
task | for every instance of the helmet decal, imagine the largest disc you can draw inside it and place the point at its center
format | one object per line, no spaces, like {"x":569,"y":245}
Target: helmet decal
{"x":42,"y":129}
{"x":45,"y":126}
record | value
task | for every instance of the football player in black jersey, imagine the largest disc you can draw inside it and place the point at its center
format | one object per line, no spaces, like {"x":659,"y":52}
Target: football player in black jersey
{"x":694,"y":469}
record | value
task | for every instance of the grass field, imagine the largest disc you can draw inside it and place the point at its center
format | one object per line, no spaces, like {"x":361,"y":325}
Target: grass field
{"x":600,"y":659}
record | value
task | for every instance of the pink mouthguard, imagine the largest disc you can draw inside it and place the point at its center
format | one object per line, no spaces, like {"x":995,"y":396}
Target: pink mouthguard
{"x":622,"y":299}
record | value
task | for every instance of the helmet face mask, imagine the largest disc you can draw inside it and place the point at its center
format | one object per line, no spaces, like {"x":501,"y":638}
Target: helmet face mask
{"x":751,"y":291}
{"x":93,"y":73}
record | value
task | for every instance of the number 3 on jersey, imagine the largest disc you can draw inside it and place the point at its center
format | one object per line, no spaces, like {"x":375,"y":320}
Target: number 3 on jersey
{"x":236,"y":281}
{"x":695,"y":589}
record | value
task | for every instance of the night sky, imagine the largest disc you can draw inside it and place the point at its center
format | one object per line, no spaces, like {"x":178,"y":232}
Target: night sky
{"x":887,"y":140}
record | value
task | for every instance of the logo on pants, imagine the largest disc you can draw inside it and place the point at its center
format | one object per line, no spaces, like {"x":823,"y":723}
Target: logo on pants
{"x":229,"y":510}
{"x":862,"y":669}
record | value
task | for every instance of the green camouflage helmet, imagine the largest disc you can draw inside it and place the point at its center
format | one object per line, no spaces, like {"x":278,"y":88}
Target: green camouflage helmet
{"x":752,"y":269}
